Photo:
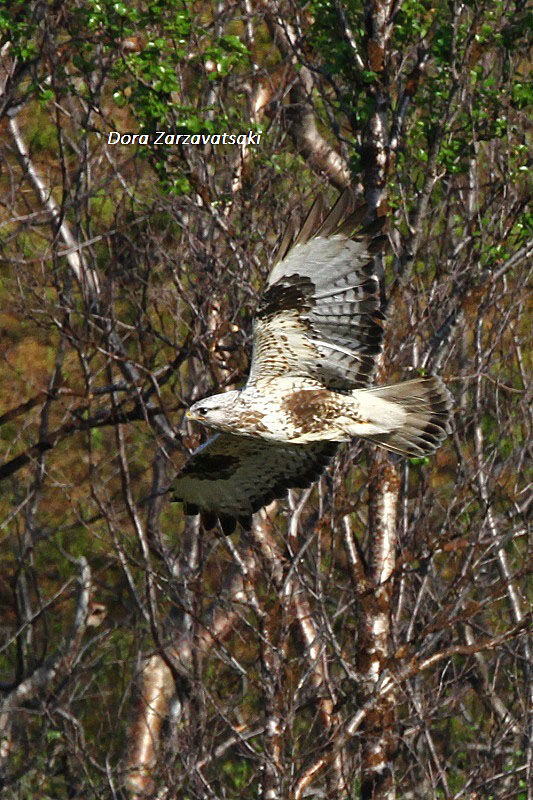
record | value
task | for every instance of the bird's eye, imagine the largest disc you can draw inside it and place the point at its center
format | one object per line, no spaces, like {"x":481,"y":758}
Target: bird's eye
{"x":202,"y":411}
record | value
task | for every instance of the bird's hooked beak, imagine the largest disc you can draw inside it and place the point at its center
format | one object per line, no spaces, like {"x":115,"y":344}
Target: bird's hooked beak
{"x":189,"y":414}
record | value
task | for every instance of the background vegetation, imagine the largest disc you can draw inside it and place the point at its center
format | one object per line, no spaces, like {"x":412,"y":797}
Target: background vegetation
{"x":368,"y":638}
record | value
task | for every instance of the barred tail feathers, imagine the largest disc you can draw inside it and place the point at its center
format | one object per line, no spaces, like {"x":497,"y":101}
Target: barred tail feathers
{"x":419,"y":417}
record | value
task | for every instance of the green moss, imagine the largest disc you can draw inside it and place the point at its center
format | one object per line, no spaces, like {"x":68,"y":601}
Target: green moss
{"x":40,"y":133}
{"x":238,"y":771}
{"x":102,"y":208}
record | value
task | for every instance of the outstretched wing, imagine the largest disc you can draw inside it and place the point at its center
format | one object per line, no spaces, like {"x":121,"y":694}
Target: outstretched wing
{"x":319,"y":316}
{"x":230,"y":477}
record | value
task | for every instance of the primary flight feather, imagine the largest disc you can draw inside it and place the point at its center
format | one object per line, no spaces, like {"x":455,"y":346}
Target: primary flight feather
{"x":317,"y":334}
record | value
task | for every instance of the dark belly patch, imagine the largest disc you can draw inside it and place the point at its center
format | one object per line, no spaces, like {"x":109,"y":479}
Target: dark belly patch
{"x":309,"y":409}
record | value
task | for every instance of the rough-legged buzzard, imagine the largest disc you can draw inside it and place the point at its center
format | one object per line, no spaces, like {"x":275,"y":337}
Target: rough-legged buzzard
{"x":317,"y":333}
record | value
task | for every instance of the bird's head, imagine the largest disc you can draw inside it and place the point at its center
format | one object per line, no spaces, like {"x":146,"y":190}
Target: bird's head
{"x":215,"y":411}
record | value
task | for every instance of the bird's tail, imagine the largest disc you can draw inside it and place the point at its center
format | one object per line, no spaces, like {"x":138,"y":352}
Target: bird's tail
{"x":419,"y":419}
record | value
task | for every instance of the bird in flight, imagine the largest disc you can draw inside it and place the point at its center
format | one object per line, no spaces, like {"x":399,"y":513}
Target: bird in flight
{"x":316,"y":337}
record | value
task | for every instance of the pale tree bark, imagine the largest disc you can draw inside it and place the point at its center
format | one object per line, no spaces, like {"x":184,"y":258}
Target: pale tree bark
{"x":376,"y":139}
{"x":374,"y":628}
{"x":86,"y":276}
{"x":373,"y":643}
{"x":320,"y":155}
{"x":43,"y":680}
{"x":153,"y":691}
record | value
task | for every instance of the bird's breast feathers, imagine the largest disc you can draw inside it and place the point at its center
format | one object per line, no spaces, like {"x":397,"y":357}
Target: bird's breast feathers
{"x":299,"y":412}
